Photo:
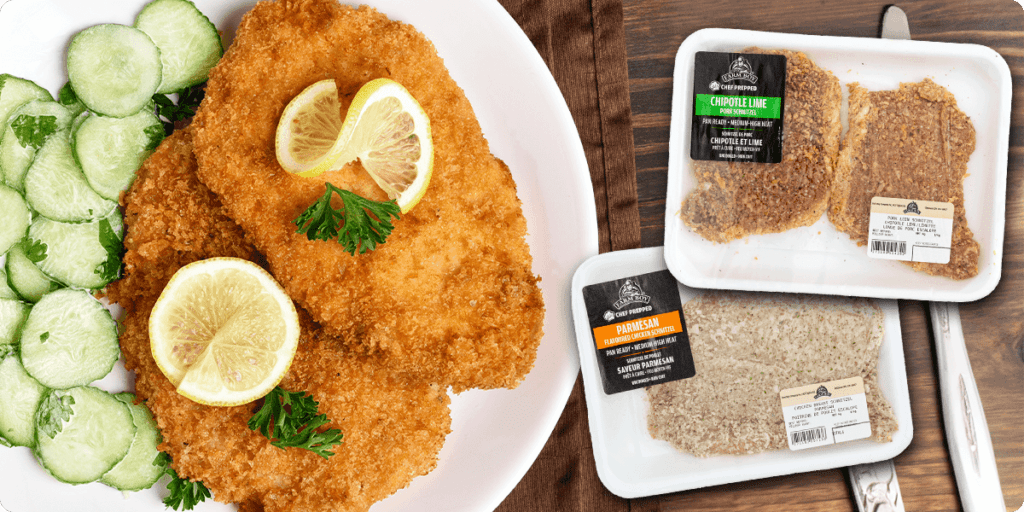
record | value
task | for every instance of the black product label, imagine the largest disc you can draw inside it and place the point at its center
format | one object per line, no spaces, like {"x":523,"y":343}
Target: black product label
{"x":738,"y":107}
{"x":638,"y":330}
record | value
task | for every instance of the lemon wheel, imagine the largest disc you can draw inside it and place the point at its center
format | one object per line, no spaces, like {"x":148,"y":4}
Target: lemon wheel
{"x":223,"y":331}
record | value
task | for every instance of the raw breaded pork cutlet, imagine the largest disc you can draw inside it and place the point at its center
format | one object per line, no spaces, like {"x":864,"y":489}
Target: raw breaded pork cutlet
{"x":735,"y":199}
{"x":910,"y":143}
{"x":393,"y":425}
{"x":747,"y":349}
{"x":451,"y":296}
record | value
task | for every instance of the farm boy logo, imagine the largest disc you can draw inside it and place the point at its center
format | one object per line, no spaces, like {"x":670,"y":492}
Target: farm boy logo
{"x":740,"y":70}
{"x":912,"y":208}
{"x":629,"y":293}
{"x":822,"y":391}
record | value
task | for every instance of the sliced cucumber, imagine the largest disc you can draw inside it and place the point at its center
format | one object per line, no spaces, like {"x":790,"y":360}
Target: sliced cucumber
{"x":24,"y":276}
{"x":137,"y":470}
{"x":56,"y":187}
{"x":114,"y":69}
{"x":69,"y":340}
{"x":81,"y":433}
{"x":13,"y":313}
{"x":16,"y":218}
{"x":19,"y":399}
{"x":189,"y":43}
{"x":16,"y":91}
{"x":26,"y":130}
{"x":67,"y":97}
{"x":111,"y":149}
{"x":6,"y":292}
{"x":83,"y":255}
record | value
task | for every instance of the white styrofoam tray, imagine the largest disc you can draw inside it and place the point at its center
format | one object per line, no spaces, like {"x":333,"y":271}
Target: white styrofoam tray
{"x":632,"y":464}
{"x":819,"y":258}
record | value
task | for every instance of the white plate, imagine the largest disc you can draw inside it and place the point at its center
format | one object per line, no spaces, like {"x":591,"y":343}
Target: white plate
{"x":496,"y":435}
{"x":802,"y":260}
{"x":631,"y":463}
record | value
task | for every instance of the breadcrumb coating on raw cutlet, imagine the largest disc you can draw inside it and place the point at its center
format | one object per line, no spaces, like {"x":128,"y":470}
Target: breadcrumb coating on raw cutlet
{"x":451,"y":295}
{"x":909,"y":143}
{"x":733,"y":200}
{"x":393,"y":425}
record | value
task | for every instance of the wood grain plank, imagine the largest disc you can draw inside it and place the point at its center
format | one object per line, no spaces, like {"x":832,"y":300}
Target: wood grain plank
{"x":994,"y":326}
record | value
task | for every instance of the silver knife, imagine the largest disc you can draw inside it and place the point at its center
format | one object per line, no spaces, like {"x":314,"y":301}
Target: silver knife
{"x":970,"y":444}
{"x":874,"y":485}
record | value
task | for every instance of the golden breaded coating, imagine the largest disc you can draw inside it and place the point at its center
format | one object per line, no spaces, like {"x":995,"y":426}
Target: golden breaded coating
{"x":910,"y":143}
{"x":451,"y":296}
{"x":393,"y":425}
{"x":735,"y":199}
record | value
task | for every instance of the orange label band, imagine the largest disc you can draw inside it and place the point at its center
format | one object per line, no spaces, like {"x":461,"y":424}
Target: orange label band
{"x":637,"y":330}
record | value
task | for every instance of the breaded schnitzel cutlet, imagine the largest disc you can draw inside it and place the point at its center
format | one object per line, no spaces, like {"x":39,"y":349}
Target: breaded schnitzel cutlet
{"x":451,"y":295}
{"x":733,"y":200}
{"x":393,"y":425}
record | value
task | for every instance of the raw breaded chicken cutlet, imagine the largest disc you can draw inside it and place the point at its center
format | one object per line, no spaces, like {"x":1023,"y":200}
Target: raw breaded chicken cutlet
{"x":393,"y":424}
{"x":451,"y":295}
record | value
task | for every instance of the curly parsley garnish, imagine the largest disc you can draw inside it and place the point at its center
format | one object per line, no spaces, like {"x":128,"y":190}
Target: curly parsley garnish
{"x":35,"y":250}
{"x":291,"y":419}
{"x":109,"y":269}
{"x":32,"y":131}
{"x":184,"y":493}
{"x":170,"y":112}
{"x":359,"y":225}
{"x":54,"y":410}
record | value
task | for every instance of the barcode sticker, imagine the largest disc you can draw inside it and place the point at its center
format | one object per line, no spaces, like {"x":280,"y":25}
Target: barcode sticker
{"x":905,"y":230}
{"x":808,"y":436}
{"x":825,"y":413}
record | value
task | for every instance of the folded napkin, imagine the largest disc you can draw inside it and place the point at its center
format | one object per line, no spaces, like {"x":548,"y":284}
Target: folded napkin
{"x":583,"y":43}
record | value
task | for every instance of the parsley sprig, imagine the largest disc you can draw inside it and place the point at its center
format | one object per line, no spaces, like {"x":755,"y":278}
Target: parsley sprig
{"x":184,"y":492}
{"x":170,"y":112}
{"x":359,"y":225}
{"x":291,"y":419}
{"x":111,"y":266}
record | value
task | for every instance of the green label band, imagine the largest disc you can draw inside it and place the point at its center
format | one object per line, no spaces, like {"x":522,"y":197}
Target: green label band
{"x":738,"y":106}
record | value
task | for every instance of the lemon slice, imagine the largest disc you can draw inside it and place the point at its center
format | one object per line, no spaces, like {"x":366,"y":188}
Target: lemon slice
{"x":385,"y":128}
{"x":223,"y":331}
{"x":388,"y":131}
{"x":308,"y":130}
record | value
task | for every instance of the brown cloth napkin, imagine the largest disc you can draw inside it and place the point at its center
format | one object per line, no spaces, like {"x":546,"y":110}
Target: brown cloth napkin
{"x":583,"y":43}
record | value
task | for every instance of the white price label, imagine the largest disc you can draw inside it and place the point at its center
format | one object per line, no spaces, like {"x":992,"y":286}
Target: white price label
{"x":826,"y":413}
{"x":906,"y":230}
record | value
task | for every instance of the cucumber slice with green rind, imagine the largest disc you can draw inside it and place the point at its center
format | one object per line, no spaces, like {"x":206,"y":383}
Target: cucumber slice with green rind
{"x":56,"y":188}
{"x":189,"y":43}
{"x":137,"y":470}
{"x":26,"y":130}
{"x":110,"y":150}
{"x":20,"y":395}
{"x":16,"y":217}
{"x":24,"y":277}
{"x":79,"y":255}
{"x":13,"y":313}
{"x":6,"y":292}
{"x":15,"y":91}
{"x":69,"y":340}
{"x":114,"y":69}
{"x":81,"y":433}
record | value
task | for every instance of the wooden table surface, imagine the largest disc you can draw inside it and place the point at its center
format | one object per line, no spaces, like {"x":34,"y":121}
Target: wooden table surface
{"x":994,"y":326}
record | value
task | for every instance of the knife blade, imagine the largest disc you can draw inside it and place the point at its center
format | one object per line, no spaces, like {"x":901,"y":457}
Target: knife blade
{"x":874,"y":485}
{"x":967,"y":434}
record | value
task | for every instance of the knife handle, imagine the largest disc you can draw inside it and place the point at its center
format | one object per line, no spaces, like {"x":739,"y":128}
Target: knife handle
{"x":970,"y":444}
